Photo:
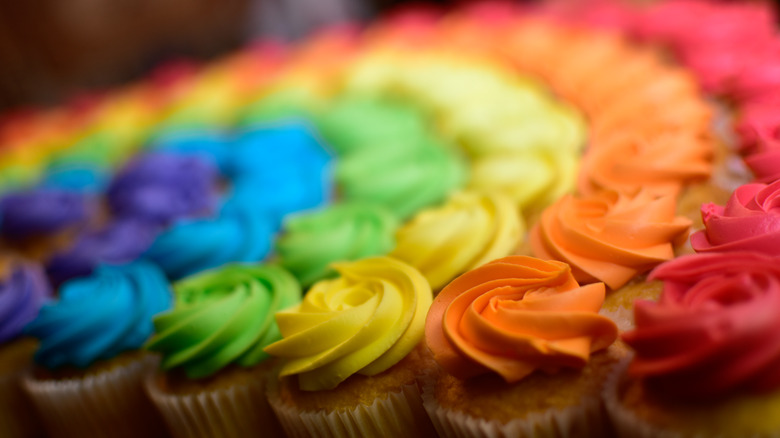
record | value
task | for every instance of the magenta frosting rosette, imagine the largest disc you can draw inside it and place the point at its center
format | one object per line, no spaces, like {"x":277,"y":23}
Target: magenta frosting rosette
{"x":750,"y":221}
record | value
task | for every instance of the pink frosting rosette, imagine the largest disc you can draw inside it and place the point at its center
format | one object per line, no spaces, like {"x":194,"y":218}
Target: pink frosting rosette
{"x":750,"y":221}
{"x":714,"y":329}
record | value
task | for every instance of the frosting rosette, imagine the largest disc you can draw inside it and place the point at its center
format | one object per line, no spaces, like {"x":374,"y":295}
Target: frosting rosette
{"x":340,"y":232}
{"x":713,"y":331}
{"x":363,"y":321}
{"x":161,"y":187}
{"x":22,"y":293}
{"x":32,"y":212}
{"x":223,"y":316}
{"x":750,"y":221}
{"x":515,"y":315}
{"x":100,"y":316}
{"x":610,"y":236}
{"x":469,"y":230}
{"x":662,"y":164}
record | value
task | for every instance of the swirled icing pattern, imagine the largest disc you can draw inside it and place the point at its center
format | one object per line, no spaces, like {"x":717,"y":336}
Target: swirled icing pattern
{"x":118,"y":242}
{"x":363,"y":322}
{"x":662,"y":164}
{"x":610,"y":236}
{"x":239,"y":234}
{"x":100,"y":316}
{"x":223,"y":316}
{"x":750,"y":221}
{"x":341,"y":232}
{"x":22,"y":294}
{"x":403,"y":180}
{"x":468,"y":231}
{"x":44,"y":211}
{"x":163,"y":187}
{"x":714,"y":329}
{"x":515,"y":315}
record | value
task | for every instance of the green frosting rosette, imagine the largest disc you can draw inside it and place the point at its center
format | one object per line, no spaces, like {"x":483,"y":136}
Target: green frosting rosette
{"x":340,"y":232}
{"x":223,"y":316}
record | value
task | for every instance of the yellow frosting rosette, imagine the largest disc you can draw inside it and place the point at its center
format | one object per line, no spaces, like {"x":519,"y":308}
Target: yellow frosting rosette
{"x":364,"y":321}
{"x":471,"y":229}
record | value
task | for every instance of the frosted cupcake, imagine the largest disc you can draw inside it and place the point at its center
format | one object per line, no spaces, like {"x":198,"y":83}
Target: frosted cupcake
{"x":706,"y":354}
{"x":352,"y":354}
{"x":23,"y":290}
{"x":214,"y":367}
{"x":89,"y":373}
{"x":522,"y":350}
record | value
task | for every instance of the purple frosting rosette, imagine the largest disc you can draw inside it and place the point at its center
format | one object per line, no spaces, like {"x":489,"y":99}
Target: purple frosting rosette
{"x":22,"y":294}
{"x":119,"y":242}
{"x":42,"y":211}
{"x":162,"y":187}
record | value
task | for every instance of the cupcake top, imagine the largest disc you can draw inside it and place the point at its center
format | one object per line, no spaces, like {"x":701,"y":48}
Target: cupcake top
{"x":363,"y":321}
{"x":340,"y":232}
{"x":41,"y":211}
{"x":750,"y":221}
{"x":100,"y":316}
{"x":712,"y":332}
{"x":469,"y":230}
{"x":515,"y":315}
{"x":22,"y":293}
{"x":223,"y":316}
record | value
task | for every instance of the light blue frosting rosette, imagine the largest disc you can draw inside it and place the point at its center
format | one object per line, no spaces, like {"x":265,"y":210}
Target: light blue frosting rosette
{"x":100,"y":316}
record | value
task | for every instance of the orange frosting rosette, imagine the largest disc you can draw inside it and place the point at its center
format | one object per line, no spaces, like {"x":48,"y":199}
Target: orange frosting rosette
{"x":610,"y":236}
{"x":515,"y":315}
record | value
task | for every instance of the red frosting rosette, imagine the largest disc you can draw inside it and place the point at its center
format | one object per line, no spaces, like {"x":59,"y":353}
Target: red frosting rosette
{"x":714,"y":329}
{"x":515,"y":315}
{"x":750,"y":221}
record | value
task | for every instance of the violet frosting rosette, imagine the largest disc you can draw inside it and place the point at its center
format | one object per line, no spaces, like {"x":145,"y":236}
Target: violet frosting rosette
{"x":22,"y":294}
{"x":714,"y":329}
{"x":118,"y":242}
{"x":41,"y":211}
{"x":160,"y":187}
{"x":750,"y":221}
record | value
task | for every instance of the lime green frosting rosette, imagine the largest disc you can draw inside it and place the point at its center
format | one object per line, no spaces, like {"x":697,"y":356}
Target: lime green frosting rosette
{"x":340,"y":232}
{"x":403,"y":180}
{"x":223,"y":316}
{"x":364,"y":321}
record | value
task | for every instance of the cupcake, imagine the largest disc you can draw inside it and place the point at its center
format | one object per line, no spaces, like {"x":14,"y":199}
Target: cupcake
{"x":706,"y":353}
{"x":341,"y":232}
{"x":213,"y":368}
{"x":470,"y":229}
{"x":23,"y":290}
{"x":352,"y":354}
{"x":89,"y":366}
{"x":522,"y":351}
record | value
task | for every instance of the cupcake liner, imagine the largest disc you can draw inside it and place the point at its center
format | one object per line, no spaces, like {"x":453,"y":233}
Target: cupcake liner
{"x":17,"y":417}
{"x":234,"y":411}
{"x":111,"y":403}
{"x":398,"y":414}
{"x":586,"y":419}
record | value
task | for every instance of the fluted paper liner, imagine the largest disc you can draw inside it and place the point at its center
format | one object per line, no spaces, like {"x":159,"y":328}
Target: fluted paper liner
{"x":585,"y":419}
{"x":233,"y":411}
{"x":17,"y":417}
{"x":399,"y":414}
{"x":111,"y":403}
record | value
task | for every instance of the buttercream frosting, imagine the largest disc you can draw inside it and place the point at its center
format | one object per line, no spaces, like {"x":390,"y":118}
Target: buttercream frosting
{"x":610,"y":236}
{"x":515,"y":315}
{"x":469,"y":230}
{"x":223,"y":316}
{"x":364,"y":321}
{"x":22,"y":293}
{"x":42,"y":211}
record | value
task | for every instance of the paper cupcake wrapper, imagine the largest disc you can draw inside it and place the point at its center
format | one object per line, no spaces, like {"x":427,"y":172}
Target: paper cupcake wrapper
{"x":235,"y":411}
{"x":17,"y":416}
{"x":111,"y":403}
{"x":400,"y":414}
{"x":585,"y":419}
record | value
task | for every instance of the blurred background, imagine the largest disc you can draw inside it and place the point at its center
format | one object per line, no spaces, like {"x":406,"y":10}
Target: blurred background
{"x":51,"y":49}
